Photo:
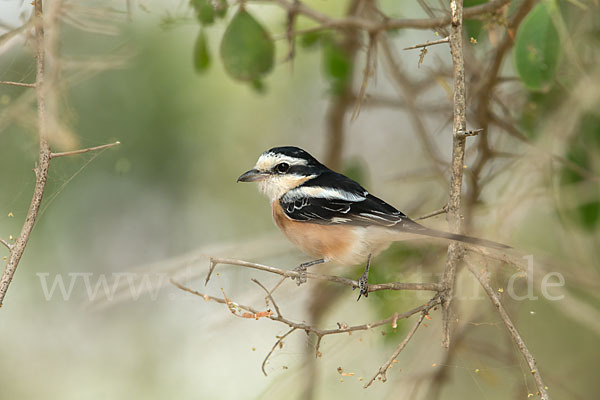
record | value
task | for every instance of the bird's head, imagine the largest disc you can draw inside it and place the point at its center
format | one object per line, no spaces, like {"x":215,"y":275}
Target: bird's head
{"x":281,"y":169}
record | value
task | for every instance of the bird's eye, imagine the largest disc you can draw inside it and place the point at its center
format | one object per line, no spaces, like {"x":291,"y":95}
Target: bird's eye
{"x":282,"y":167}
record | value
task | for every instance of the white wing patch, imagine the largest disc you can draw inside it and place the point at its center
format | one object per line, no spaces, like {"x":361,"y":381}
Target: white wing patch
{"x":339,"y":220}
{"x":322,"y":193}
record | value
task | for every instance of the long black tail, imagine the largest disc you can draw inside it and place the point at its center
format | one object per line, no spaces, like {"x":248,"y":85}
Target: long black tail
{"x":419,"y":229}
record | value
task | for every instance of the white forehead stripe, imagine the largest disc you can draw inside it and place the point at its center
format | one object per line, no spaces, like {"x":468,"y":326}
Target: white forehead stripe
{"x":322,"y":193}
{"x":268,"y":160}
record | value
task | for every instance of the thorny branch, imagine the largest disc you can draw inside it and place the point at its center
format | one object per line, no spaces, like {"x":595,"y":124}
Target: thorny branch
{"x":23,"y":84}
{"x":427,"y":44}
{"x":82,"y":151}
{"x":387,"y":24}
{"x":45,"y":155}
{"x":253,"y":313}
{"x":214,"y":261}
{"x":383,"y":369}
{"x":483,"y":279}
{"x":41,"y":170}
{"x":455,"y":250}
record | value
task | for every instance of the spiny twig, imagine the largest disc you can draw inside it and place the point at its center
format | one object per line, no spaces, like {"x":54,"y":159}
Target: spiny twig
{"x":455,"y":250}
{"x":427,"y":44}
{"x":81,"y":151}
{"x":41,"y":170}
{"x":23,"y":84}
{"x":512,"y":330}
{"x":214,"y":261}
{"x":442,"y":210}
{"x":320,"y":333}
{"x":383,"y":369}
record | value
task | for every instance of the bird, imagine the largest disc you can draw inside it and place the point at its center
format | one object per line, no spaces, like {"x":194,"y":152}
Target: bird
{"x":331,"y":217}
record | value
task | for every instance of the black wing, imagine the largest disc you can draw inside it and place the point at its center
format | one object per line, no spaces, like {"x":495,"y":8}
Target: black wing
{"x":332,"y":198}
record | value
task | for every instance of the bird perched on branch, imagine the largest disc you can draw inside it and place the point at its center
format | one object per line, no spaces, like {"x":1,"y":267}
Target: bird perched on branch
{"x":330,"y":216}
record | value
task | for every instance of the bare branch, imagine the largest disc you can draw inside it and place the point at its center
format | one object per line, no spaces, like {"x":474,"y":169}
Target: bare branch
{"x":279,"y":342}
{"x":368,"y":73}
{"x":427,"y":44}
{"x":43,"y":49}
{"x":41,"y":170}
{"x":455,"y":250}
{"x":442,"y":210}
{"x":81,"y":151}
{"x":23,"y":84}
{"x":514,"y":334}
{"x":269,"y":297}
{"x":383,"y":369}
{"x":342,"y":328}
{"x":4,"y":242}
{"x":214,"y":261}
{"x":387,"y":24}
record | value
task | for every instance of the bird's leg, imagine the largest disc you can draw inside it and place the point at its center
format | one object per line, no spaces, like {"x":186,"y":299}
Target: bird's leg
{"x":363,"y":281}
{"x":301,"y":269}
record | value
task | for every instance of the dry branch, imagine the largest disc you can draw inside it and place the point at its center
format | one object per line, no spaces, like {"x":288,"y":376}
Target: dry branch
{"x":5,"y":243}
{"x":300,"y":326}
{"x":82,"y":151}
{"x":41,"y":170}
{"x":383,"y":369}
{"x":514,"y":334}
{"x":455,"y":250}
{"x":23,"y":84}
{"x":368,"y":25}
{"x":214,"y":261}
{"x":427,"y":44}
{"x":442,"y":210}
{"x":45,"y":155}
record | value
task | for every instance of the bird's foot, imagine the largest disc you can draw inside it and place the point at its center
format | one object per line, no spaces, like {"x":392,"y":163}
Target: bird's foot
{"x":363,"y":281}
{"x":301,"y":270}
{"x":301,"y":278}
{"x":363,"y":285}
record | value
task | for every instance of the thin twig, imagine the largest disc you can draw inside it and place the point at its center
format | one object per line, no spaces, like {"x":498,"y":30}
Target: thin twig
{"x":342,"y":328}
{"x":383,"y":369}
{"x":512,"y":330}
{"x":427,"y":44}
{"x":214,"y":261}
{"x":4,"y":242}
{"x":269,"y":296}
{"x":442,"y":210}
{"x":369,"y":25}
{"x":81,"y":151}
{"x":368,"y":73}
{"x":29,"y":85}
{"x":41,"y":170}
{"x":279,"y":342}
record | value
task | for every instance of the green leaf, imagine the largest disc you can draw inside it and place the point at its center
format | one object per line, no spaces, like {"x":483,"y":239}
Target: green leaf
{"x":588,"y":215}
{"x":247,"y":50}
{"x":583,"y":147}
{"x":337,"y":66}
{"x":537,"y":48}
{"x":311,"y":39}
{"x":201,"y":53}
{"x":204,"y":11}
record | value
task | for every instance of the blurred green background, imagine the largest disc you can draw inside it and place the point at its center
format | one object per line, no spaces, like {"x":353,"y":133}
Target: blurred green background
{"x":165,"y":199}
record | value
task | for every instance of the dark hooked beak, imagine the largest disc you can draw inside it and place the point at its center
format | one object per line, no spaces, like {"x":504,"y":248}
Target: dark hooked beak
{"x":252,"y":176}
